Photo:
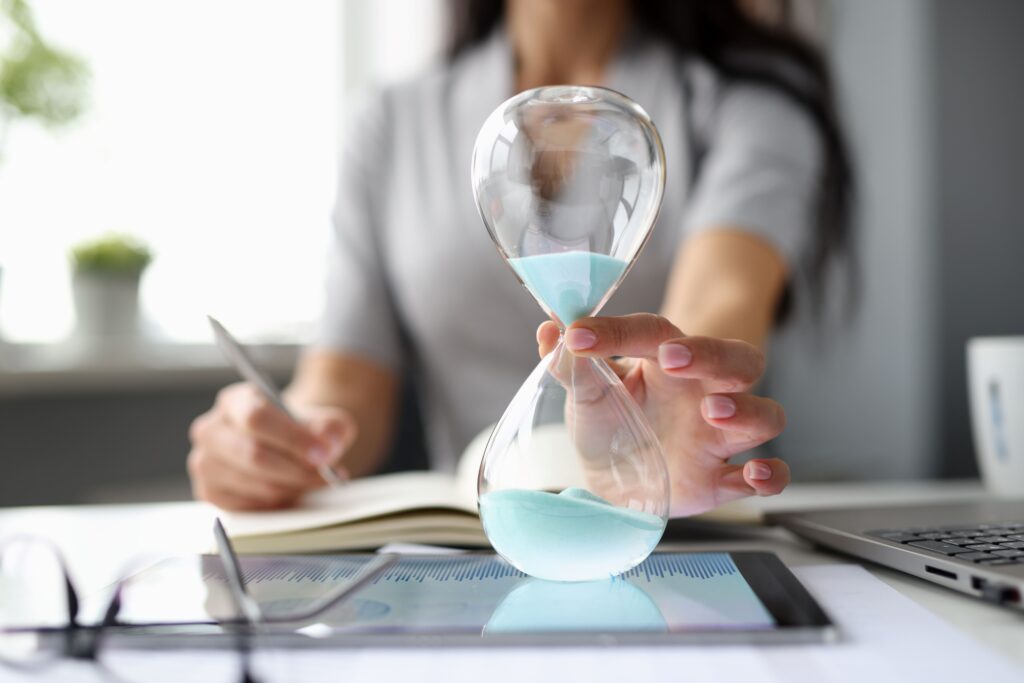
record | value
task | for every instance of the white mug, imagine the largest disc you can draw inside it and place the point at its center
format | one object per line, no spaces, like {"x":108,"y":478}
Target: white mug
{"x":995,"y":375}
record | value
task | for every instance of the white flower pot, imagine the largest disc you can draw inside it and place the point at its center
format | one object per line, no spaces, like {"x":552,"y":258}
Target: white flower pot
{"x":106,"y":309}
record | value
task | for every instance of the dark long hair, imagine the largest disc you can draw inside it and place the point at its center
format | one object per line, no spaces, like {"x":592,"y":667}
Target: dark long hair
{"x":741,"y":48}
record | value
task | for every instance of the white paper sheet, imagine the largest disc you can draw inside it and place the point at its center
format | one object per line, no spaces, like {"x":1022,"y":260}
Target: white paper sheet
{"x":885,"y":637}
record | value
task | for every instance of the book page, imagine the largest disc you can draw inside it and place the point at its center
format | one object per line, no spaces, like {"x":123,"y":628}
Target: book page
{"x":359,"y":499}
{"x":437,"y":527}
{"x":544,"y":461}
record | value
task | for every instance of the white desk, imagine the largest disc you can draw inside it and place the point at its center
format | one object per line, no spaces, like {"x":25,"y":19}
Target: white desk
{"x":98,"y":540}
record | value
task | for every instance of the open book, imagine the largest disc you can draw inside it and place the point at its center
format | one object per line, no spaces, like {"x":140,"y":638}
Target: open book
{"x":408,"y":507}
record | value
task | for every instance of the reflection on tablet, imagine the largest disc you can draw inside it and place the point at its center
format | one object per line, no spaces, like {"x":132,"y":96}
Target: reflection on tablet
{"x":535,"y":606}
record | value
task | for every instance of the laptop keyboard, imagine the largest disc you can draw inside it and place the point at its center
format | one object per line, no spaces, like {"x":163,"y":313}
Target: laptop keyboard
{"x":986,"y":544}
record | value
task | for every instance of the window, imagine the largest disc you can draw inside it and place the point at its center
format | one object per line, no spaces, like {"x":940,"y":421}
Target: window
{"x":211,"y":134}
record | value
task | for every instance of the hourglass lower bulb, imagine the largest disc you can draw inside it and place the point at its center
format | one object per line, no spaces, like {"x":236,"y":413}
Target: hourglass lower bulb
{"x":573,"y":484}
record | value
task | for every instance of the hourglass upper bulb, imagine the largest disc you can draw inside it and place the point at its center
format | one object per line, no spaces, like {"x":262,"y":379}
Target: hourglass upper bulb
{"x":569,"y":180}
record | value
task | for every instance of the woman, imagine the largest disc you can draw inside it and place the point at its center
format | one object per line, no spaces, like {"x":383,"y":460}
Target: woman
{"x":757,"y":181}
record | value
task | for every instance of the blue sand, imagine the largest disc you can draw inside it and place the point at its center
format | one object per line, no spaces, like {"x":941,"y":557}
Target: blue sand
{"x":569,"y":536}
{"x":570,"y":283}
{"x":537,"y":605}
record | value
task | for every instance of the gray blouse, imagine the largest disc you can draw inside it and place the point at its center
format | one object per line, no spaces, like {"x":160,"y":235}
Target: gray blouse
{"x":415,"y":282}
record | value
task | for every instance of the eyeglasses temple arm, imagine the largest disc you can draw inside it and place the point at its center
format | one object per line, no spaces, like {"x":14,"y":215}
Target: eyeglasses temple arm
{"x":376,"y":568}
{"x":247,"y":607}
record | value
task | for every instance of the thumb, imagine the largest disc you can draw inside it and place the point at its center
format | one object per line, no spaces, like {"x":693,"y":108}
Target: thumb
{"x":547,"y":337}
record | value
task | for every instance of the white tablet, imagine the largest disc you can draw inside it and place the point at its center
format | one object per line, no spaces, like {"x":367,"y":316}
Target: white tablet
{"x":479,"y":599}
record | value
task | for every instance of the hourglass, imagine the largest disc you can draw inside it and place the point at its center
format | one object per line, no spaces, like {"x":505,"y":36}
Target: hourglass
{"x":573,"y":484}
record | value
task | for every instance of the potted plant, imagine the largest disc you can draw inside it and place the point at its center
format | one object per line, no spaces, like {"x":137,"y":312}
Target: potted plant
{"x":105,"y":279}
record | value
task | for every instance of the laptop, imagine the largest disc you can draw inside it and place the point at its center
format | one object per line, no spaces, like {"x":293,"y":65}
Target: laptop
{"x":976,"y":547}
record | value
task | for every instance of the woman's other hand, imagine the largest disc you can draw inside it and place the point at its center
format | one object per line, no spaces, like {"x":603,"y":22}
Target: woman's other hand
{"x":248,"y":455}
{"x":696,"y":393}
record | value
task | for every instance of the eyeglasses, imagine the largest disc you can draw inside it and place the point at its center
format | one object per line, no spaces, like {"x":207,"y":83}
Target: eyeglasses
{"x":41,"y":609}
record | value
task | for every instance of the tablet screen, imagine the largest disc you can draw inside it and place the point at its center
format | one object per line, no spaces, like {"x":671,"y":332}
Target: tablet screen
{"x":483,"y":593}
{"x":478,"y":594}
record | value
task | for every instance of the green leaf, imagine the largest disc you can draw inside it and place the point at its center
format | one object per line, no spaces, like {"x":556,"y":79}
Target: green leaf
{"x":38,"y":81}
{"x":111,"y":254}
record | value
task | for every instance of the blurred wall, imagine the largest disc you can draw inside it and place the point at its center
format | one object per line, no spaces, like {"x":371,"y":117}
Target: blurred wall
{"x":935,"y":111}
{"x":97,"y":446}
{"x":856,"y":389}
{"x":979,"y":54}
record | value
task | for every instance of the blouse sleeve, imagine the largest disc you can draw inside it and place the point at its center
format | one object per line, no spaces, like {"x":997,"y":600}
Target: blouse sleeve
{"x":360,"y":315}
{"x":761,"y":170}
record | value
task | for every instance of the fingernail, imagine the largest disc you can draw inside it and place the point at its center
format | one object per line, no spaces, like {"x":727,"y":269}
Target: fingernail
{"x":759,"y":471}
{"x":720,"y":407}
{"x":580,"y":339}
{"x":318,"y":455}
{"x":674,"y":356}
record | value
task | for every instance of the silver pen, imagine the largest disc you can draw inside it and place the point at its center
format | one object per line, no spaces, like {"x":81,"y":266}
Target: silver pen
{"x":241,"y":361}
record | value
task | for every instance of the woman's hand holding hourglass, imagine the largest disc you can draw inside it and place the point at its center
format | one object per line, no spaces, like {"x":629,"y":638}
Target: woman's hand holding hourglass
{"x":695,"y":391}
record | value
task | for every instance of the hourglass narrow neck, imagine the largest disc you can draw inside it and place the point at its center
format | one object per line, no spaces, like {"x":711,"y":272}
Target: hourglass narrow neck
{"x":570,"y":284}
